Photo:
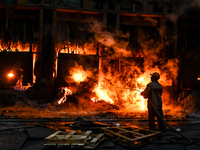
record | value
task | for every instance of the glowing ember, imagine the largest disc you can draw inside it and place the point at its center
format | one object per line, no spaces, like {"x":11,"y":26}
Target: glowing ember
{"x":64,"y":98}
{"x":198,"y":79}
{"x":79,"y":74}
{"x":10,"y":75}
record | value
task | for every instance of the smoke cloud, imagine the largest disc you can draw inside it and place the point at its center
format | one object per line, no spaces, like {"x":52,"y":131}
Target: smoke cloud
{"x":183,"y":8}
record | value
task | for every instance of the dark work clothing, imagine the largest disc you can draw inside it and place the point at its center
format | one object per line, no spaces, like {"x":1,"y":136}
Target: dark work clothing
{"x":152,"y":114}
{"x":153,"y":92}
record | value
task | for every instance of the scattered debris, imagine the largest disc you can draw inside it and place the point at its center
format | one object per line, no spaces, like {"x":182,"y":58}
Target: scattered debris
{"x":190,"y":100}
{"x":178,"y":129}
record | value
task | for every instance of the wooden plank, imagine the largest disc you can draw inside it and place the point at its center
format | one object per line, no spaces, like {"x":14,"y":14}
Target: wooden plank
{"x":52,"y":135}
{"x":88,"y":133}
{"x":68,"y":138}
{"x":128,"y":131}
{"x":70,"y":134}
{"x":115,"y":133}
{"x":132,"y":136}
{"x":96,"y":139}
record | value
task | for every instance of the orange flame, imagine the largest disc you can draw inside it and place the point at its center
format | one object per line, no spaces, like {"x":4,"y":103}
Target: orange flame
{"x":64,"y":98}
{"x":79,"y":74}
{"x":102,"y":96}
{"x":15,"y":46}
{"x":10,"y":75}
{"x":87,"y":49}
{"x":20,"y":47}
{"x":128,"y":74}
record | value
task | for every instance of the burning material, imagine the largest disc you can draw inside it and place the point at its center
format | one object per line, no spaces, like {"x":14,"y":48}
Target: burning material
{"x":16,"y":54}
{"x":66,"y":93}
{"x":14,"y":47}
{"x":19,"y":85}
{"x":79,"y":74}
{"x":10,"y":75}
{"x":86,"y":49}
{"x":119,"y":67}
{"x":102,"y":96}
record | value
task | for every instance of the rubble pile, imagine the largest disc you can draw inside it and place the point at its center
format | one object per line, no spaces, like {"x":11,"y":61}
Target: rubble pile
{"x":191,"y":101}
{"x":12,"y":97}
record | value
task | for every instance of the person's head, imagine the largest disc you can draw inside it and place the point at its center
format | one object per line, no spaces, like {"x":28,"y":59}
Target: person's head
{"x":155,"y":76}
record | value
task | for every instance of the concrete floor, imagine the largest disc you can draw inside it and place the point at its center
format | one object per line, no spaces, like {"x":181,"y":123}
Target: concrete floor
{"x":18,"y":135}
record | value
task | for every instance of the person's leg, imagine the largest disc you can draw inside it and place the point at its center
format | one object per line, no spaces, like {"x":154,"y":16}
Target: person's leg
{"x":161,"y":124}
{"x":151,"y":113}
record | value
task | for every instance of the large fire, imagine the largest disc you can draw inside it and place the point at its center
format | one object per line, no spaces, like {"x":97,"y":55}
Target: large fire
{"x":119,"y":86}
{"x":123,"y":88}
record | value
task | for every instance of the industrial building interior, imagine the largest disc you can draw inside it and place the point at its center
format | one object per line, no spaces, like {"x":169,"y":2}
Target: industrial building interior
{"x":63,"y":59}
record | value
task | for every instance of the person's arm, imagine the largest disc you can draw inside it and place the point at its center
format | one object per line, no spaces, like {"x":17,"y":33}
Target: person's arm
{"x":145,"y":93}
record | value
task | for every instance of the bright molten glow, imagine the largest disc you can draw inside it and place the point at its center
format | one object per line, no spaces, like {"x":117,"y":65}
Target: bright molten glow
{"x":10,"y":75}
{"x":79,"y":74}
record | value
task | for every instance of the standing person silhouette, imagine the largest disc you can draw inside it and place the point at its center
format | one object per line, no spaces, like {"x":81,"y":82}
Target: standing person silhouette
{"x":153,"y":92}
